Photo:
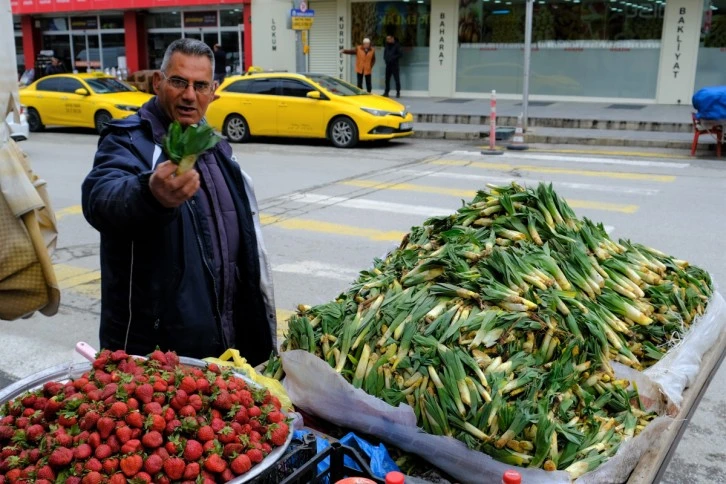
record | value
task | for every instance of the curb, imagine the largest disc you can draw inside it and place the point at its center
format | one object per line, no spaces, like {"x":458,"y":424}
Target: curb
{"x":534,"y":138}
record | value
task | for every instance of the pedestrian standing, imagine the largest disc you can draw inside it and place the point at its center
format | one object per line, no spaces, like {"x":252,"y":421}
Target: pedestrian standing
{"x":183,"y":266}
{"x":220,"y":64}
{"x":365,"y":59}
{"x":55,"y":67}
{"x":391,"y":54}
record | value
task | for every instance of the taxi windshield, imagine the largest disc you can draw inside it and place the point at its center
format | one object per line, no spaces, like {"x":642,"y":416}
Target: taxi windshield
{"x":107,"y":85}
{"x":336,"y":86}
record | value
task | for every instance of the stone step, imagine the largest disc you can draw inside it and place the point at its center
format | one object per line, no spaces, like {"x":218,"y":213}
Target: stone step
{"x":565,"y":123}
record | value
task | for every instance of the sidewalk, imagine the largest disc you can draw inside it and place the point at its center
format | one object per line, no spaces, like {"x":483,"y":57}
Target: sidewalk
{"x":600,"y":124}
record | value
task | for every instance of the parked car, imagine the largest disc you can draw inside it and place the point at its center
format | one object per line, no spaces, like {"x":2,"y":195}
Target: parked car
{"x":82,"y":100}
{"x":305,"y":106}
{"x":19,"y":129}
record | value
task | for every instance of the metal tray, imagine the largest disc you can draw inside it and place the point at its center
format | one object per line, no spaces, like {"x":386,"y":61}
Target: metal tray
{"x":70,"y":371}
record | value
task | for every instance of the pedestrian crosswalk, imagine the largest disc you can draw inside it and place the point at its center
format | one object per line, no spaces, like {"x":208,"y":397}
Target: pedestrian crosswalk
{"x":319,"y":239}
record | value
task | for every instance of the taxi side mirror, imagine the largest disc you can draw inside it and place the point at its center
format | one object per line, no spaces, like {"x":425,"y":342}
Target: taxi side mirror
{"x":314,"y":95}
{"x":82,"y":91}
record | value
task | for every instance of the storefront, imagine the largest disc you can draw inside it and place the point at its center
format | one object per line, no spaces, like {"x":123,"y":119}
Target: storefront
{"x":639,"y":51}
{"x":99,"y":34}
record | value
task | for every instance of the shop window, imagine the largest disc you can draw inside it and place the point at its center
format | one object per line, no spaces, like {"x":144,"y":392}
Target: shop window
{"x":58,"y":24}
{"x":112,"y":22}
{"x":19,"y":58}
{"x":407,"y":21}
{"x":230,"y":18}
{"x":158,"y":42}
{"x":575,"y":45}
{"x":712,"y":50}
{"x":163,"y":20}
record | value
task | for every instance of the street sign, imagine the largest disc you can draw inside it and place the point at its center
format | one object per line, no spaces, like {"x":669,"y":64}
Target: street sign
{"x":302,"y":18}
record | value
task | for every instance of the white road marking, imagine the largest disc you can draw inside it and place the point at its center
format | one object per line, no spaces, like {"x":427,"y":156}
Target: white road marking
{"x":375,"y":205}
{"x":578,"y":159}
{"x":318,"y":269}
{"x":532,"y":181}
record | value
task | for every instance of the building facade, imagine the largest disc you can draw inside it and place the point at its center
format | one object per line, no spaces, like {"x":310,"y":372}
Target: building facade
{"x":100,"y":34}
{"x":626,"y":51}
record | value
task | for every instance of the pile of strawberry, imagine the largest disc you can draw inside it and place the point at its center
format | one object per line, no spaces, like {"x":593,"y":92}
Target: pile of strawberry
{"x":135,"y":420}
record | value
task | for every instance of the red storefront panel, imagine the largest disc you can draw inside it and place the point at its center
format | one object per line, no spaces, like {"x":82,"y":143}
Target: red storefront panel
{"x":20,"y":7}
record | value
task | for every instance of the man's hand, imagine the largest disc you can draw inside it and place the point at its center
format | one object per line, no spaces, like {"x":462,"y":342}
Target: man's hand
{"x":171,"y":190}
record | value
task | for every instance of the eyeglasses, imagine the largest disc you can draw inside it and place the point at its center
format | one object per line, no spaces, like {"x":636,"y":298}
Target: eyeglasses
{"x":200,"y":87}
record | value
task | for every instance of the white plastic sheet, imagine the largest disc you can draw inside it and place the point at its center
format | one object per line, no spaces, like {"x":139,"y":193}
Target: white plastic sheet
{"x":316,"y":388}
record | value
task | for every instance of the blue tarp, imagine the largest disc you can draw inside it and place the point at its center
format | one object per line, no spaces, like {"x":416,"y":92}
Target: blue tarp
{"x":710,"y":103}
{"x":380,"y":461}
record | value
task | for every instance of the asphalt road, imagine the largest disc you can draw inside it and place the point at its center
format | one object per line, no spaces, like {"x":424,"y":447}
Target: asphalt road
{"x":329,"y":212}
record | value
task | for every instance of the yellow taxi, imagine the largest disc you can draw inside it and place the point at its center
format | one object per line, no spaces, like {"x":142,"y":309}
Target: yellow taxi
{"x":305,"y":106}
{"x":83,"y":100}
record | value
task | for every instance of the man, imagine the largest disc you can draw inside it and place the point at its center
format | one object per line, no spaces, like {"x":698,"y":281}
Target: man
{"x":220,"y":64}
{"x":55,"y":67}
{"x":182,"y":260}
{"x":365,"y":59}
{"x":391,"y":54}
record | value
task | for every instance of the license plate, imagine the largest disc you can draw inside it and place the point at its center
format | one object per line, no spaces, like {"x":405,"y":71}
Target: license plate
{"x":405,"y":126}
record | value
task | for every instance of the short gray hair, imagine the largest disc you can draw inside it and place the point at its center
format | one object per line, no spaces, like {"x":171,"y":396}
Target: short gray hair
{"x":187,"y":47}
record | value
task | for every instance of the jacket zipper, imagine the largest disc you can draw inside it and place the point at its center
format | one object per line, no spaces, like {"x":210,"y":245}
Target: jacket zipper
{"x":191,"y":205}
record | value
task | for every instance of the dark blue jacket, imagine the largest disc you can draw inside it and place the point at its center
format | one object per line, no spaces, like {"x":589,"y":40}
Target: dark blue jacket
{"x":157,"y":284}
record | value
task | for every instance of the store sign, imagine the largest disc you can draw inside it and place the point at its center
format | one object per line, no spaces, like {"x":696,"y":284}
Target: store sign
{"x":200,"y":19}
{"x":273,"y":39}
{"x":84,"y":23}
{"x":20,"y":7}
{"x":442,"y":38}
{"x":680,"y":34}
{"x":341,"y":46}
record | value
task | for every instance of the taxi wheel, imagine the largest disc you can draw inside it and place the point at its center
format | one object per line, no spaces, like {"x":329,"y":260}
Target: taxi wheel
{"x":34,"y":122}
{"x":236,"y":129}
{"x":101,"y":119}
{"x":343,"y":132}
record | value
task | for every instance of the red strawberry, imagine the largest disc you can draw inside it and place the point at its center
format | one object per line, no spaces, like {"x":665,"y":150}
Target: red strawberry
{"x":142,"y":477}
{"x":89,"y":421}
{"x":188,"y":384}
{"x":102,"y":359}
{"x":172,"y":426}
{"x":153,"y":464}
{"x":227,"y":475}
{"x":67,"y":419}
{"x":123,"y":434}
{"x":214,"y":463}
{"x":266,"y":448}
{"x":218,"y":424}
{"x":174,"y":467}
{"x":45,"y":472}
{"x":193,"y":451}
{"x":153,"y":408}
{"x":275,"y":417}
{"x":135,"y":419}
{"x":203,"y":386}
{"x":275,"y":402}
{"x":73,"y":480}
{"x":114,"y":443}
{"x":242,"y":416}
{"x":187,"y":411}
{"x":131,"y":446}
{"x":94,"y":440}
{"x":60,"y":457}
{"x":159,"y":356}
{"x":109,"y":391}
{"x":144,"y":393}
{"x":233,"y":449}
{"x":279,"y":433}
{"x":169,"y":414}
{"x":132,"y":402}
{"x":196,"y":402}
{"x":110,"y":465}
{"x":152,"y":440}
{"x":255,"y":455}
{"x":117,"y":478}
{"x":33,"y":455}
{"x":105,"y":426}
{"x":119,"y":355}
{"x":93,"y":464}
{"x":155,"y":422}
{"x":103,"y":451}
{"x":159,"y":385}
{"x":118,"y":409}
{"x":205,"y":433}
{"x":223,"y":401}
{"x":131,"y":465}
{"x":63,"y":439}
{"x":227,"y":435}
{"x":92,"y":478}
{"x":82,"y":452}
{"x":191,"y":471}
{"x":34,"y":432}
{"x":254,"y":412}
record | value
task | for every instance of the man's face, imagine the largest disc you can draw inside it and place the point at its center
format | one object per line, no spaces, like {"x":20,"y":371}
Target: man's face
{"x":366,"y":45}
{"x":389,"y":39}
{"x":185,"y":105}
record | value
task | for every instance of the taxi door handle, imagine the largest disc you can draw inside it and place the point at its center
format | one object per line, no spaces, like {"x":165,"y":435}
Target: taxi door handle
{"x":282,"y":105}
{"x":64,"y":98}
